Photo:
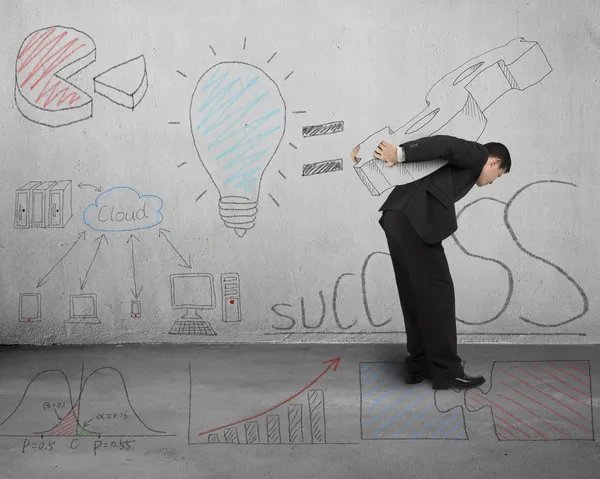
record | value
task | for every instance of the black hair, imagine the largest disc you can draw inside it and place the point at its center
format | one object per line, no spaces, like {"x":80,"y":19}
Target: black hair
{"x":498,"y":150}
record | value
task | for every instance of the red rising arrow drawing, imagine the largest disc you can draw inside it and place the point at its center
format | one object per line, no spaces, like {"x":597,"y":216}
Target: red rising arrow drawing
{"x":332,"y":363}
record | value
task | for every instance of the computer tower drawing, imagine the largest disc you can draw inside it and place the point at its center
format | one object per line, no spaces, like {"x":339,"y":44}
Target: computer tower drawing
{"x":40,"y":201}
{"x":230,"y":289}
{"x":23,"y":205}
{"x":60,"y":205}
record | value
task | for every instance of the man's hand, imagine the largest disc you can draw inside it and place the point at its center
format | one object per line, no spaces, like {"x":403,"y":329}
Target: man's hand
{"x":387,"y":152}
{"x":353,"y":154}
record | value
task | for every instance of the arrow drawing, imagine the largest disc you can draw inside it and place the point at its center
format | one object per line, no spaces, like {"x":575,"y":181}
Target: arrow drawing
{"x":44,"y":280}
{"x":59,"y":418}
{"x":85,"y":280}
{"x":83,"y":185}
{"x":186,"y":264}
{"x":134,"y":291}
{"x":332,"y":363}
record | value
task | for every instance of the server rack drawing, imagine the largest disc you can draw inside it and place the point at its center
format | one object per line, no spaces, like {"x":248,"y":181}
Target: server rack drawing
{"x":40,"y":210}
{"x":23,"y":205}
{"x":47,"y":204}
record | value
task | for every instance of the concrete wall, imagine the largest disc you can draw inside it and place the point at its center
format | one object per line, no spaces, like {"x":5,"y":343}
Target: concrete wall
{"x":312,"y":265}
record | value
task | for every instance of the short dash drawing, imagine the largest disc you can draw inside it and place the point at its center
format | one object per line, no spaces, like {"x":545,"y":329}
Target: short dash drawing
{"x":324,"y":129}
{"x":320,"y":167}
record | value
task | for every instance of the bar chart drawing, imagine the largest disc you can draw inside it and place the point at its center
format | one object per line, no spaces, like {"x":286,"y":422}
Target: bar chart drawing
{"x":266,"y":428}
{"x":299,"y":419}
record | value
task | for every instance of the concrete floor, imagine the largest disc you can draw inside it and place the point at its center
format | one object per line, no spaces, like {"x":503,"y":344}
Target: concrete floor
{"x":256,"y":411}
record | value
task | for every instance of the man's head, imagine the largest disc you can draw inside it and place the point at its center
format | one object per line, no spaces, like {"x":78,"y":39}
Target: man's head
{"x":498,"y":163}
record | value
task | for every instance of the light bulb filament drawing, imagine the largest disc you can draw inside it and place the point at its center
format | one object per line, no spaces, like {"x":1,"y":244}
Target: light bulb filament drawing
{"x":237,"y":118}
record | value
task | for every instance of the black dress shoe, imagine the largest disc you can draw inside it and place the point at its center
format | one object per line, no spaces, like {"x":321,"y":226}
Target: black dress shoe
{"x":415,"y":372}
{"x":460,"y":382}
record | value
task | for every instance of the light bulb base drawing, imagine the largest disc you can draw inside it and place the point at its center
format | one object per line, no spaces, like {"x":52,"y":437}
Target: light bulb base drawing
{"x":238,"y":213}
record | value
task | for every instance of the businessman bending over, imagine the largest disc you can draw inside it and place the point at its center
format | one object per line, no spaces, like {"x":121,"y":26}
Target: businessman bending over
{"x":416,"y":217}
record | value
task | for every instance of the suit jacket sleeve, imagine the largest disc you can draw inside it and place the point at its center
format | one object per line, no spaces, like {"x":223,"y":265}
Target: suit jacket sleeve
{"x":458,"y":152}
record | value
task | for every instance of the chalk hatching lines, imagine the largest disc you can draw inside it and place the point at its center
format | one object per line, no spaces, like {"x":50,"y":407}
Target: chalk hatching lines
{"x":543,"y":405}
{"x":49,"y":62}
{"x":217,"y":109}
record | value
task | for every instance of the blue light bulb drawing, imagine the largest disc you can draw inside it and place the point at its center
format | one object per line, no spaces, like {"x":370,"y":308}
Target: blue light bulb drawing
{"x":237,"y":118}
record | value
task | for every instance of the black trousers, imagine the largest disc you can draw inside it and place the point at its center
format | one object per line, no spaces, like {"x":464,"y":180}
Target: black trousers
{"x":426,"y":294}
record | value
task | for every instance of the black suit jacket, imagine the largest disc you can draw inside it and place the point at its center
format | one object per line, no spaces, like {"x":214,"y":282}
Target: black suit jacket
{"x":429,"y":202}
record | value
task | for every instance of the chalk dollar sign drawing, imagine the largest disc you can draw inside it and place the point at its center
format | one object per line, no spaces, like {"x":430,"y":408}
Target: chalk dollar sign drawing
{"x":237,"y":117}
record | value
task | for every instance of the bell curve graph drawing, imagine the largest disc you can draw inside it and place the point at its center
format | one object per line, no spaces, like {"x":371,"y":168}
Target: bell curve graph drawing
{"x":237,"y":120}
{"x":101,"y":408}
{"x":456,"y":106}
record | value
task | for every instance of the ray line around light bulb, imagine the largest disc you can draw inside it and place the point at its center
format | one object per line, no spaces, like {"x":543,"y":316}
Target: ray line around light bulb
{"x":274,"y":200}
{"x":289,"y":75}
{"x":201,"y":195}
{"x":181,"y":73}
{"x":213,"y":50}
{"x":293,"y":146}
{"x":284,"y":177}
{"x":178,"y":166}
{"x":244,"y":43}
{"x":271,"y":57}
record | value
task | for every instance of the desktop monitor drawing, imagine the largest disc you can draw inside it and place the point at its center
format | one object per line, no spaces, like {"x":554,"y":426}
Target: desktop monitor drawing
{"x":192,"y":292}
{"x":83,"y":309}
{"x":30,"y":307}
